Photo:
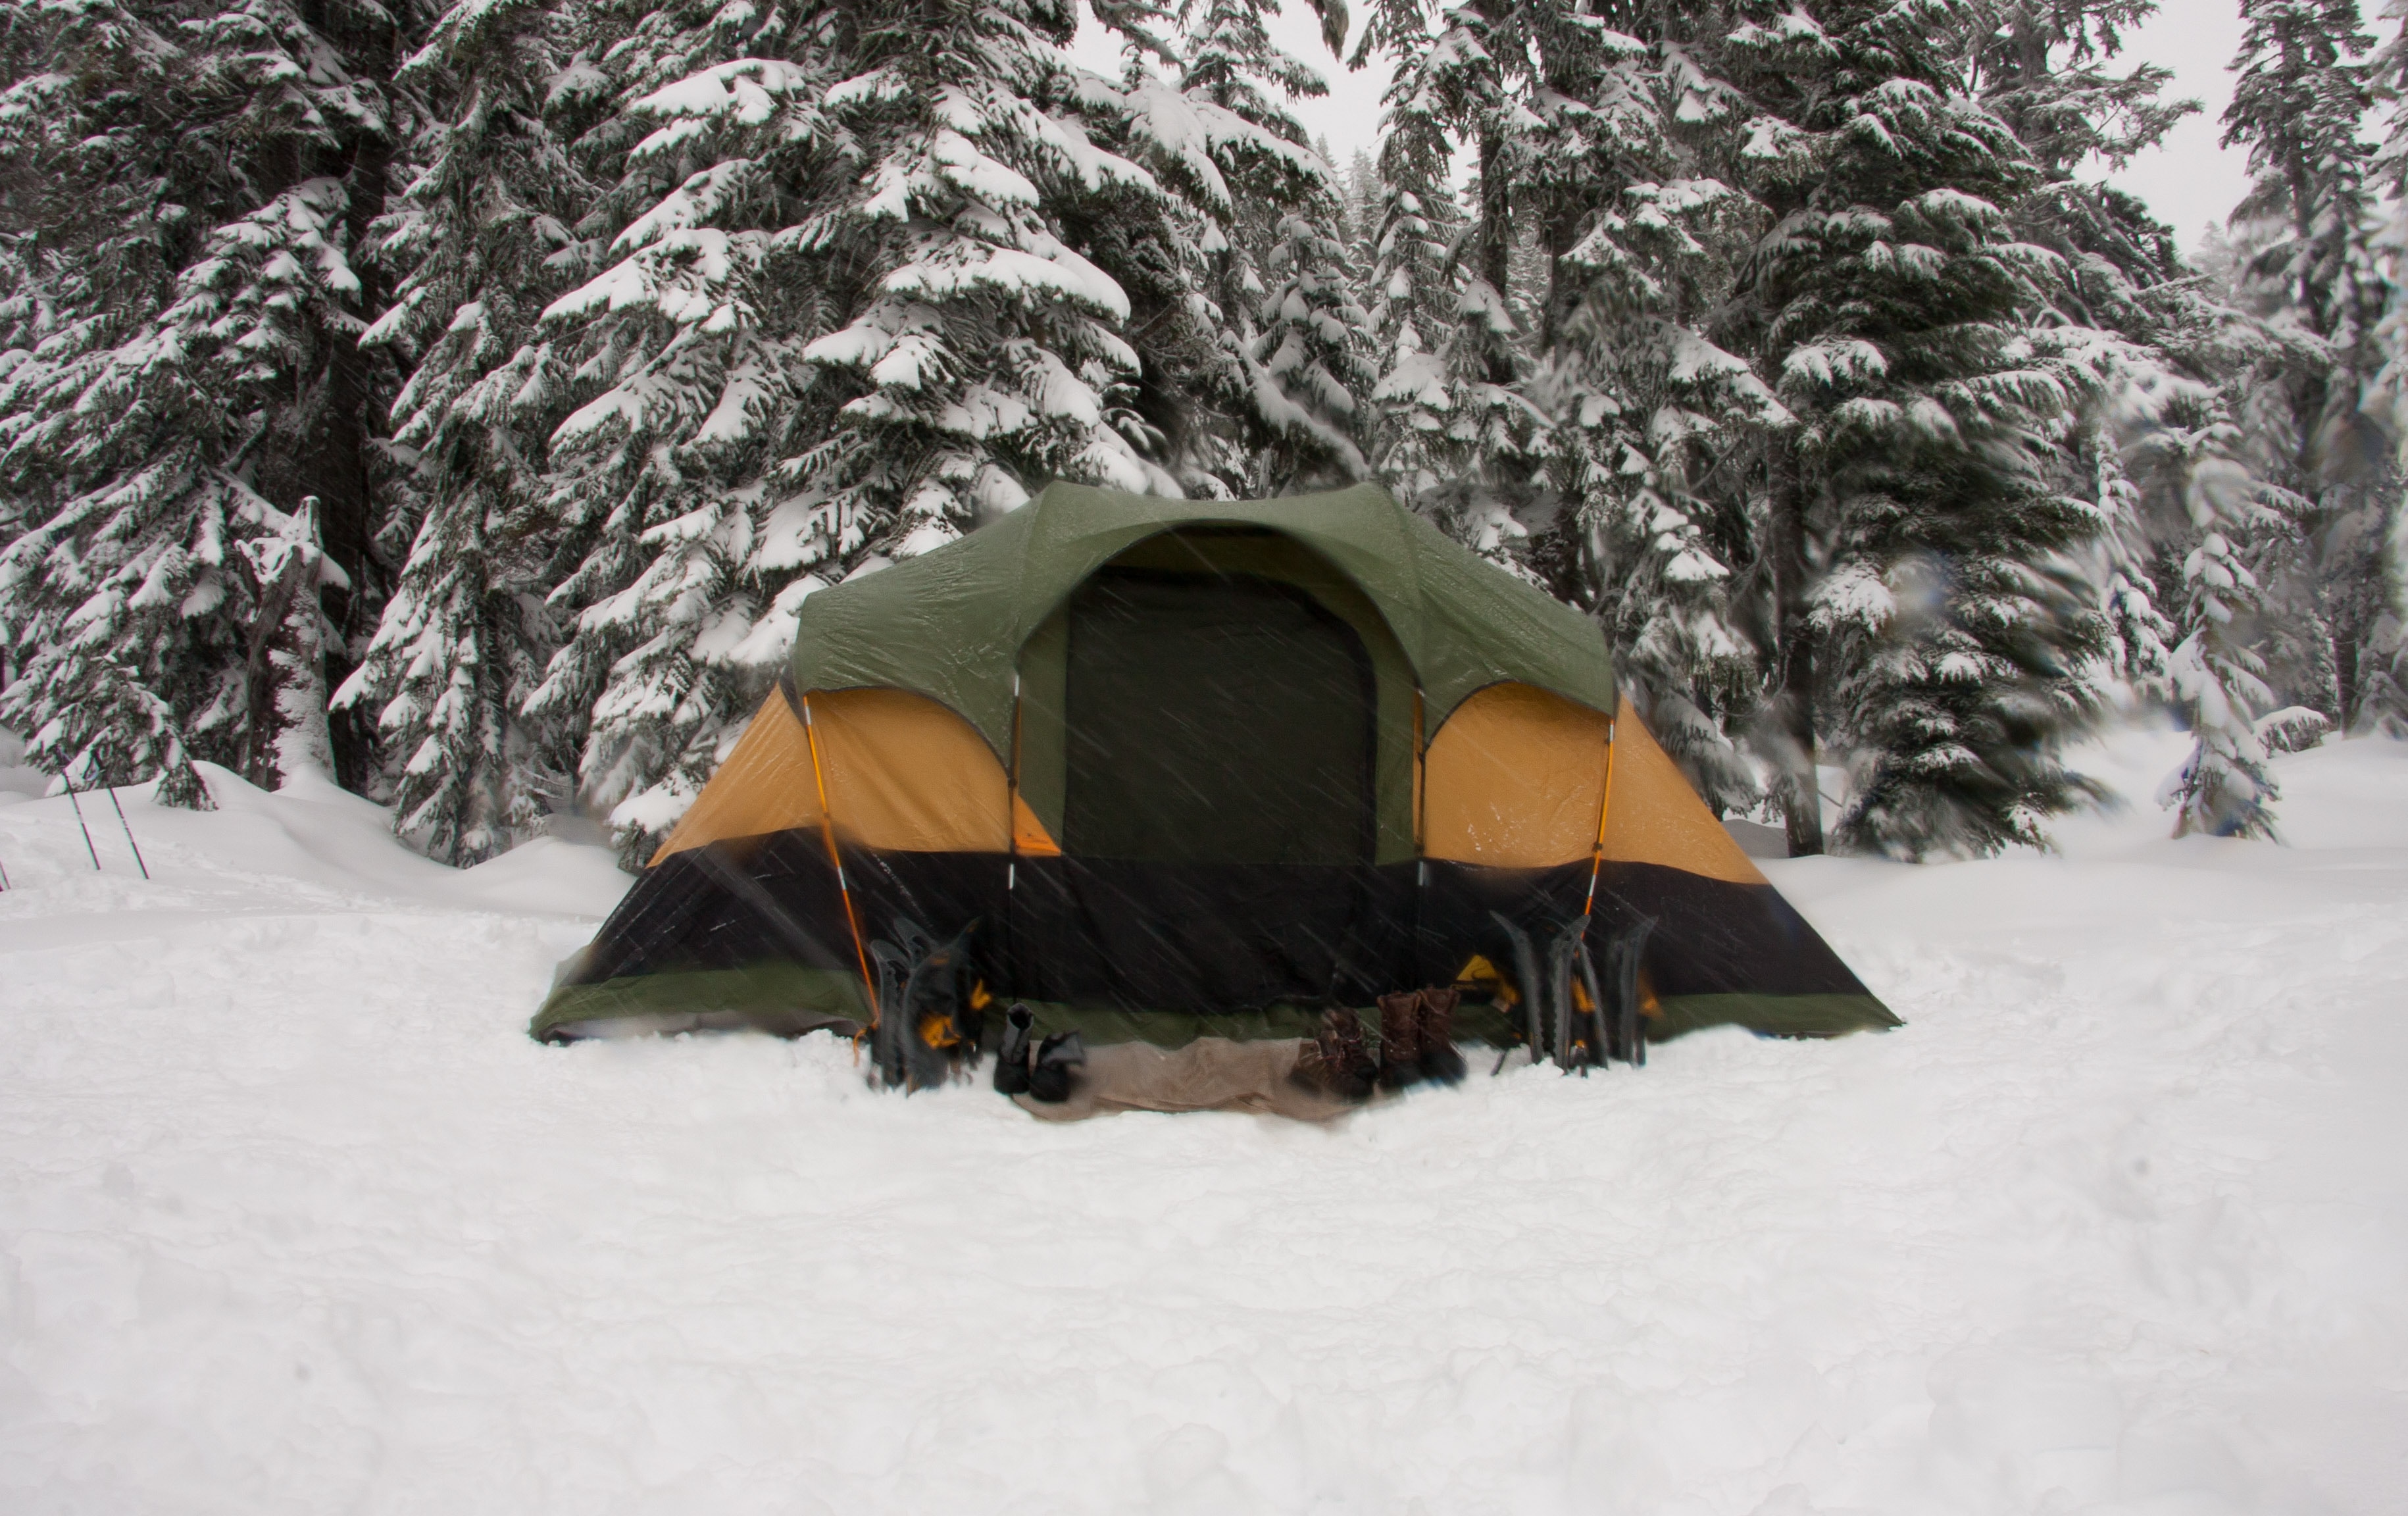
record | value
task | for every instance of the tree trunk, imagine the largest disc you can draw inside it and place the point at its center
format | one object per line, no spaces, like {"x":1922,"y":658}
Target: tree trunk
{"x":1793,"y":705}
{"x":338,"y":471}
{"x":1495,"y":244}
{"x":263,"y":690}
{"x":2346,"y":679}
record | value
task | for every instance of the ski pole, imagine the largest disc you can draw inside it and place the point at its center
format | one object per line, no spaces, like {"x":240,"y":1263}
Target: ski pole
{"x":87,"y":831}
{"x":129,"y":833}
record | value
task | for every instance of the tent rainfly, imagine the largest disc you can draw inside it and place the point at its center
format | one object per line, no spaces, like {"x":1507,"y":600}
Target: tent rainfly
{"x":1170,"y":770}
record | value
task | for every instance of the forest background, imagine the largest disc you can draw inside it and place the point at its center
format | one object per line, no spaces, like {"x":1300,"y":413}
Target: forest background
{"x":464,"y":401}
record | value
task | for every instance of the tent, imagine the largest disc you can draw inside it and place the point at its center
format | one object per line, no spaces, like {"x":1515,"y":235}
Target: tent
{"x":1173,"y":770}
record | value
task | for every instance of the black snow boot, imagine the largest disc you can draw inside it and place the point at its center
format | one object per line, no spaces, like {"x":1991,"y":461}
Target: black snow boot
{"x":1012,"y":1059}
{"x":1439,"y":1061}
{"x":1050,"y":1080}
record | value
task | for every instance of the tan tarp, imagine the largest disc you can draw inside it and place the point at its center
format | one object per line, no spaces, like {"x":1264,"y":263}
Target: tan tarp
{"x":1209,"y":1074}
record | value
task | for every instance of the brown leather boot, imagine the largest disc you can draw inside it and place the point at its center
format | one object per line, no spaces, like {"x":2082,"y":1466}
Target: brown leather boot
{"x":1401,"y":1040}
{"x":1334,"y":1061}
{"x":1353,"y":1069}
{"x":1439,"y":1061}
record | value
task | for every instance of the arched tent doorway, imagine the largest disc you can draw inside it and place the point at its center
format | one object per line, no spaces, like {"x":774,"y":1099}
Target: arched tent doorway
{"x":1214,"y":718}
{"x":1217,"y":725}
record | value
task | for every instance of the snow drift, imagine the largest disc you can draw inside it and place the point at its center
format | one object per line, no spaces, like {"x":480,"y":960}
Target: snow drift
{"x":294,"y":1217}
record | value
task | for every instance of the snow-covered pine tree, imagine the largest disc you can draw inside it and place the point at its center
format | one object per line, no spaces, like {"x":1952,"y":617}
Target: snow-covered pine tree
{"x":2224,"y":788}
{"x":1308,"y":362}
{"x":2208,"y":513}
{"x":1459,"y":81}
{"x":1294,"y":365}
{"x":91,"y":162}
{"x":2140,"y":638}
{"x":90,"y":241}
{"x":175,"y":466}
{"x":1944,"y":642}
{"x":843,"y":319}
{"x":2315,"y":424}
{"x":2383,"y":659}
{"x":1415,"y":290}
{"x":719,"y":164}
{"x":1653,"y":422}
{"x":2052,"y":70}
{"x":484,"y":234}
{"x":2135,"y":322}
{"x":1361,"y":188}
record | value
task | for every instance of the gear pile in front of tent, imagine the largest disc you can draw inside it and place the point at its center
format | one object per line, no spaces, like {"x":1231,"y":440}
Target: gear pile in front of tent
{"x":1194,"y":805}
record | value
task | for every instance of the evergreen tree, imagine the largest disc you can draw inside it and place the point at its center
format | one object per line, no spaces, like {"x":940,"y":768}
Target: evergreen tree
{"x":1653,"y":422}
{"x":2224,"y":788}
{"x":2384,"y":658}
{"x":2052,"y":72}
{"x":2138,"y":636}
{"x":842,"y":323}
{"x":1292,"y":359}
{"x":485,"y":234}
{"x":176,"y":458}
{"x":1307,"y":361}
{"x":721,"y":166}
{"x":2317,"y":434}
{"x":1453,"y":83}
{"x":1413,"y":296}
{"x":93,"y":166}
{"x":1946,"y":639}
{"x":2216,"y":675}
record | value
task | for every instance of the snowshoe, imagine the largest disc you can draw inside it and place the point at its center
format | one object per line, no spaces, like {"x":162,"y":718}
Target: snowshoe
{"x":1567,"y":1046}
{"x":1525,"y":969}
{"x":922,"y":1007}
{"x":1598,"y":1024}
{"x":1621,"y":957}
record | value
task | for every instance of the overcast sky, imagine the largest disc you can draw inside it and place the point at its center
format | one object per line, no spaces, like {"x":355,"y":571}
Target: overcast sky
{"x":2190,"y":182}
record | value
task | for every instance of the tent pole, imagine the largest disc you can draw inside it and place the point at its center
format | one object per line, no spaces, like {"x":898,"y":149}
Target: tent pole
{"x":1604,"y":809}
{"x":827,"y":834}
{"x":129,"y":833}
{"x":80,"y":823}
{"x":1011,"y":845}
{"x":1421,"y":828}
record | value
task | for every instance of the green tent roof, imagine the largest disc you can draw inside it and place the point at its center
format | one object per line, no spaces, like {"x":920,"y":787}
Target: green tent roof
{"x":949,"y":624}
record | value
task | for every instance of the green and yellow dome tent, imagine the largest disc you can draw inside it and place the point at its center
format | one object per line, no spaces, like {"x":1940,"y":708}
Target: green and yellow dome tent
{"x":1168,"y":769}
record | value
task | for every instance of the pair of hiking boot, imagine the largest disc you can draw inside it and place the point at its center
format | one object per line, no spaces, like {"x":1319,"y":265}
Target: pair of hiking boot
{"x":1046,"y":1076}
{"x":1416,"y":1042}
{"x":1417,"y":1038}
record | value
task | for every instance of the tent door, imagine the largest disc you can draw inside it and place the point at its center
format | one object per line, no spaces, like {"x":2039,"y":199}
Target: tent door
{"x":1215,"y":719}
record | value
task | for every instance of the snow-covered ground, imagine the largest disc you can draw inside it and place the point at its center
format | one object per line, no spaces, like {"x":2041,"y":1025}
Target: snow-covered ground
{"x":294,"y":1218}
